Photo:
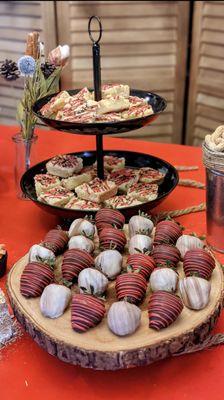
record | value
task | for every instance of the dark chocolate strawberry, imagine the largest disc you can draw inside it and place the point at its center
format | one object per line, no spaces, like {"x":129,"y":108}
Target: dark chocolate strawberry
{"x":166,"y":255}
{"x":131,"y":286}
{"x":198,"y":262}
{"x":86,"y":312}
{"x":167,"y":232}
{"x":34,"y":278}
{"x":74,"y":261}
{"x":56,"y":240}
{"x":112,"y":238}
{"x":163,"y":309}
{"x":107,"y":217}
{"x":142,"y":262}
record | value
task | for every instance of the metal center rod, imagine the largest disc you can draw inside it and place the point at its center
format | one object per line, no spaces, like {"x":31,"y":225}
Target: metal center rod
{"x":99,"y":156}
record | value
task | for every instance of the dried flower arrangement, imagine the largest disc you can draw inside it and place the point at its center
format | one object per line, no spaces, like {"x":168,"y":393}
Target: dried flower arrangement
{"x":41,"y":78}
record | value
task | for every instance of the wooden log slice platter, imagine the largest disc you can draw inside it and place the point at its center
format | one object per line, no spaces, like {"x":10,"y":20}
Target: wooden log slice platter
{"x":101,"y":349}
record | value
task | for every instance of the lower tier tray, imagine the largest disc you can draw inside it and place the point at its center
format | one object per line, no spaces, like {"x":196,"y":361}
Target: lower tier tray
{"x":133,"y":159}
{"x":99,"y":348}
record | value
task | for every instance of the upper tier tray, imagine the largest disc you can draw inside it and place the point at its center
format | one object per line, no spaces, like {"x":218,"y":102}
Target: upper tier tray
{"x":104,"y":128}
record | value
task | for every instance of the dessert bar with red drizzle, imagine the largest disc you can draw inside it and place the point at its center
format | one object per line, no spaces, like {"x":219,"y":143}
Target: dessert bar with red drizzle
{"x":143,"y":263}
{"x":131,"y":286}
{"x":167,"y":232}
{"x":74,"y":261}
{"x":56,"y":240}
{"x":35,"y":277}
{"x":65,"y":160}
{"x":86,"y":312}
{"x":107,"y":218}
{"x":150,"y":175}
{"x":198,"y":262}
{"x":112,"y":238}
{"x":166,"y":255}
{"x":163,"y":309}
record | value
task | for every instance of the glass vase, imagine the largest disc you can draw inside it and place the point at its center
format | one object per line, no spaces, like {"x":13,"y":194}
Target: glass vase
{"x":25,"y":157}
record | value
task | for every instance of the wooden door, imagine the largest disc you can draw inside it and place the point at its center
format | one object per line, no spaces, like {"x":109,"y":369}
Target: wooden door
{"x":206,"y":96}
{"x":144,"y":44}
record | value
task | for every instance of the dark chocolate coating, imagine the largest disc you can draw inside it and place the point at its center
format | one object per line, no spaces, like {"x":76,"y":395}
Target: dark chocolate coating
{"x":86,"y":312}
{"x":163,"y":309}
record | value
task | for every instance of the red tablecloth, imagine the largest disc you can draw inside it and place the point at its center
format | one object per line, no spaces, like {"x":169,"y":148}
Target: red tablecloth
{"x":27,"y":371}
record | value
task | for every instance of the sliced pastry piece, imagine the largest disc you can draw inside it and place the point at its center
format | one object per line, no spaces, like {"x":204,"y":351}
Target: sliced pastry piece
{"x":44,"y":182}
{"x":150,"y":175}
{"x":57,"y":196}
{"x":86,"y":312}
{"x":78,"y":204}
{"x":137,"y":112}
{"x":124,"y":178}
{"x":115,"y":89}
{"x":35,"y":277}
{"x":73,"y":181}
{"x":122,"y":201}
{"x":163,"y":309}
{"x":113,"y":104}
{"x":109,"y":117}
{"x":96,"y":190}
{"x":112,"y":163}
{"x":55,"y":104}
{"x":64,"y":165}
{"x":143,"y":191}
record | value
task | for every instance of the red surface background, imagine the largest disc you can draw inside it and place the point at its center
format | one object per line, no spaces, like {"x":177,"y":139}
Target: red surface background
{"x":27,"y":371}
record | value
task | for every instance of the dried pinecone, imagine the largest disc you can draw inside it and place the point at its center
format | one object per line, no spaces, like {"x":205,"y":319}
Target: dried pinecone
{"x":9,"y":70}
{"x":47,"y":68}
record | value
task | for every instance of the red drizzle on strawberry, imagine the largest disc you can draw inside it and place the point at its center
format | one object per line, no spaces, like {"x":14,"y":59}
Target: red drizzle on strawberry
{"x":198,"y":262}
{"x":143,"y":262}
{"x":34,"y":278}
{"x":167,"y":232}
{"x":107,"y":217}
{"x":166,"y":255}
{"x":74,"y":261}
{"x":163,"y":309}
{"x":131,"y":286}
{"x":112,"y":238}
{"x":56,"y":240}
{"x":86,"y":312}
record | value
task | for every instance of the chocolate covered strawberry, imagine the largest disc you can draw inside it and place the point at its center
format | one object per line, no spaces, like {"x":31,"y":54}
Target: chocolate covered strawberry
{"x":131,"y":286}
{"x":35,"y":277}
{"x":112,"y":238}
{"x":74,"y":261}
{"x":106,"y":217}
{"x":163,"y":309}
{"x":167,"y":232}
{"x":86,"y":312}
{"x":198,"y":262}
{"x":56,"y":240}
{"x":143,"y":263}
{"x":166,"y":255}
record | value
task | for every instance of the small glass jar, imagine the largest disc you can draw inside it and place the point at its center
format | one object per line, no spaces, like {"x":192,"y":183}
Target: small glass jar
{"x":25,"y":157}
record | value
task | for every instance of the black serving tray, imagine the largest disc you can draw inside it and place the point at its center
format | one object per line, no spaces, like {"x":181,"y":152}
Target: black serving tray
{"x":103,"y":128}
{"x":133,"y":159}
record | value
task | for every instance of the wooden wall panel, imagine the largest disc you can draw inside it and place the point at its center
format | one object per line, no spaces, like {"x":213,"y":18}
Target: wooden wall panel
{"x":17,"y":18}
{"x":206,"y":95}
{"x":144,"y":44}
